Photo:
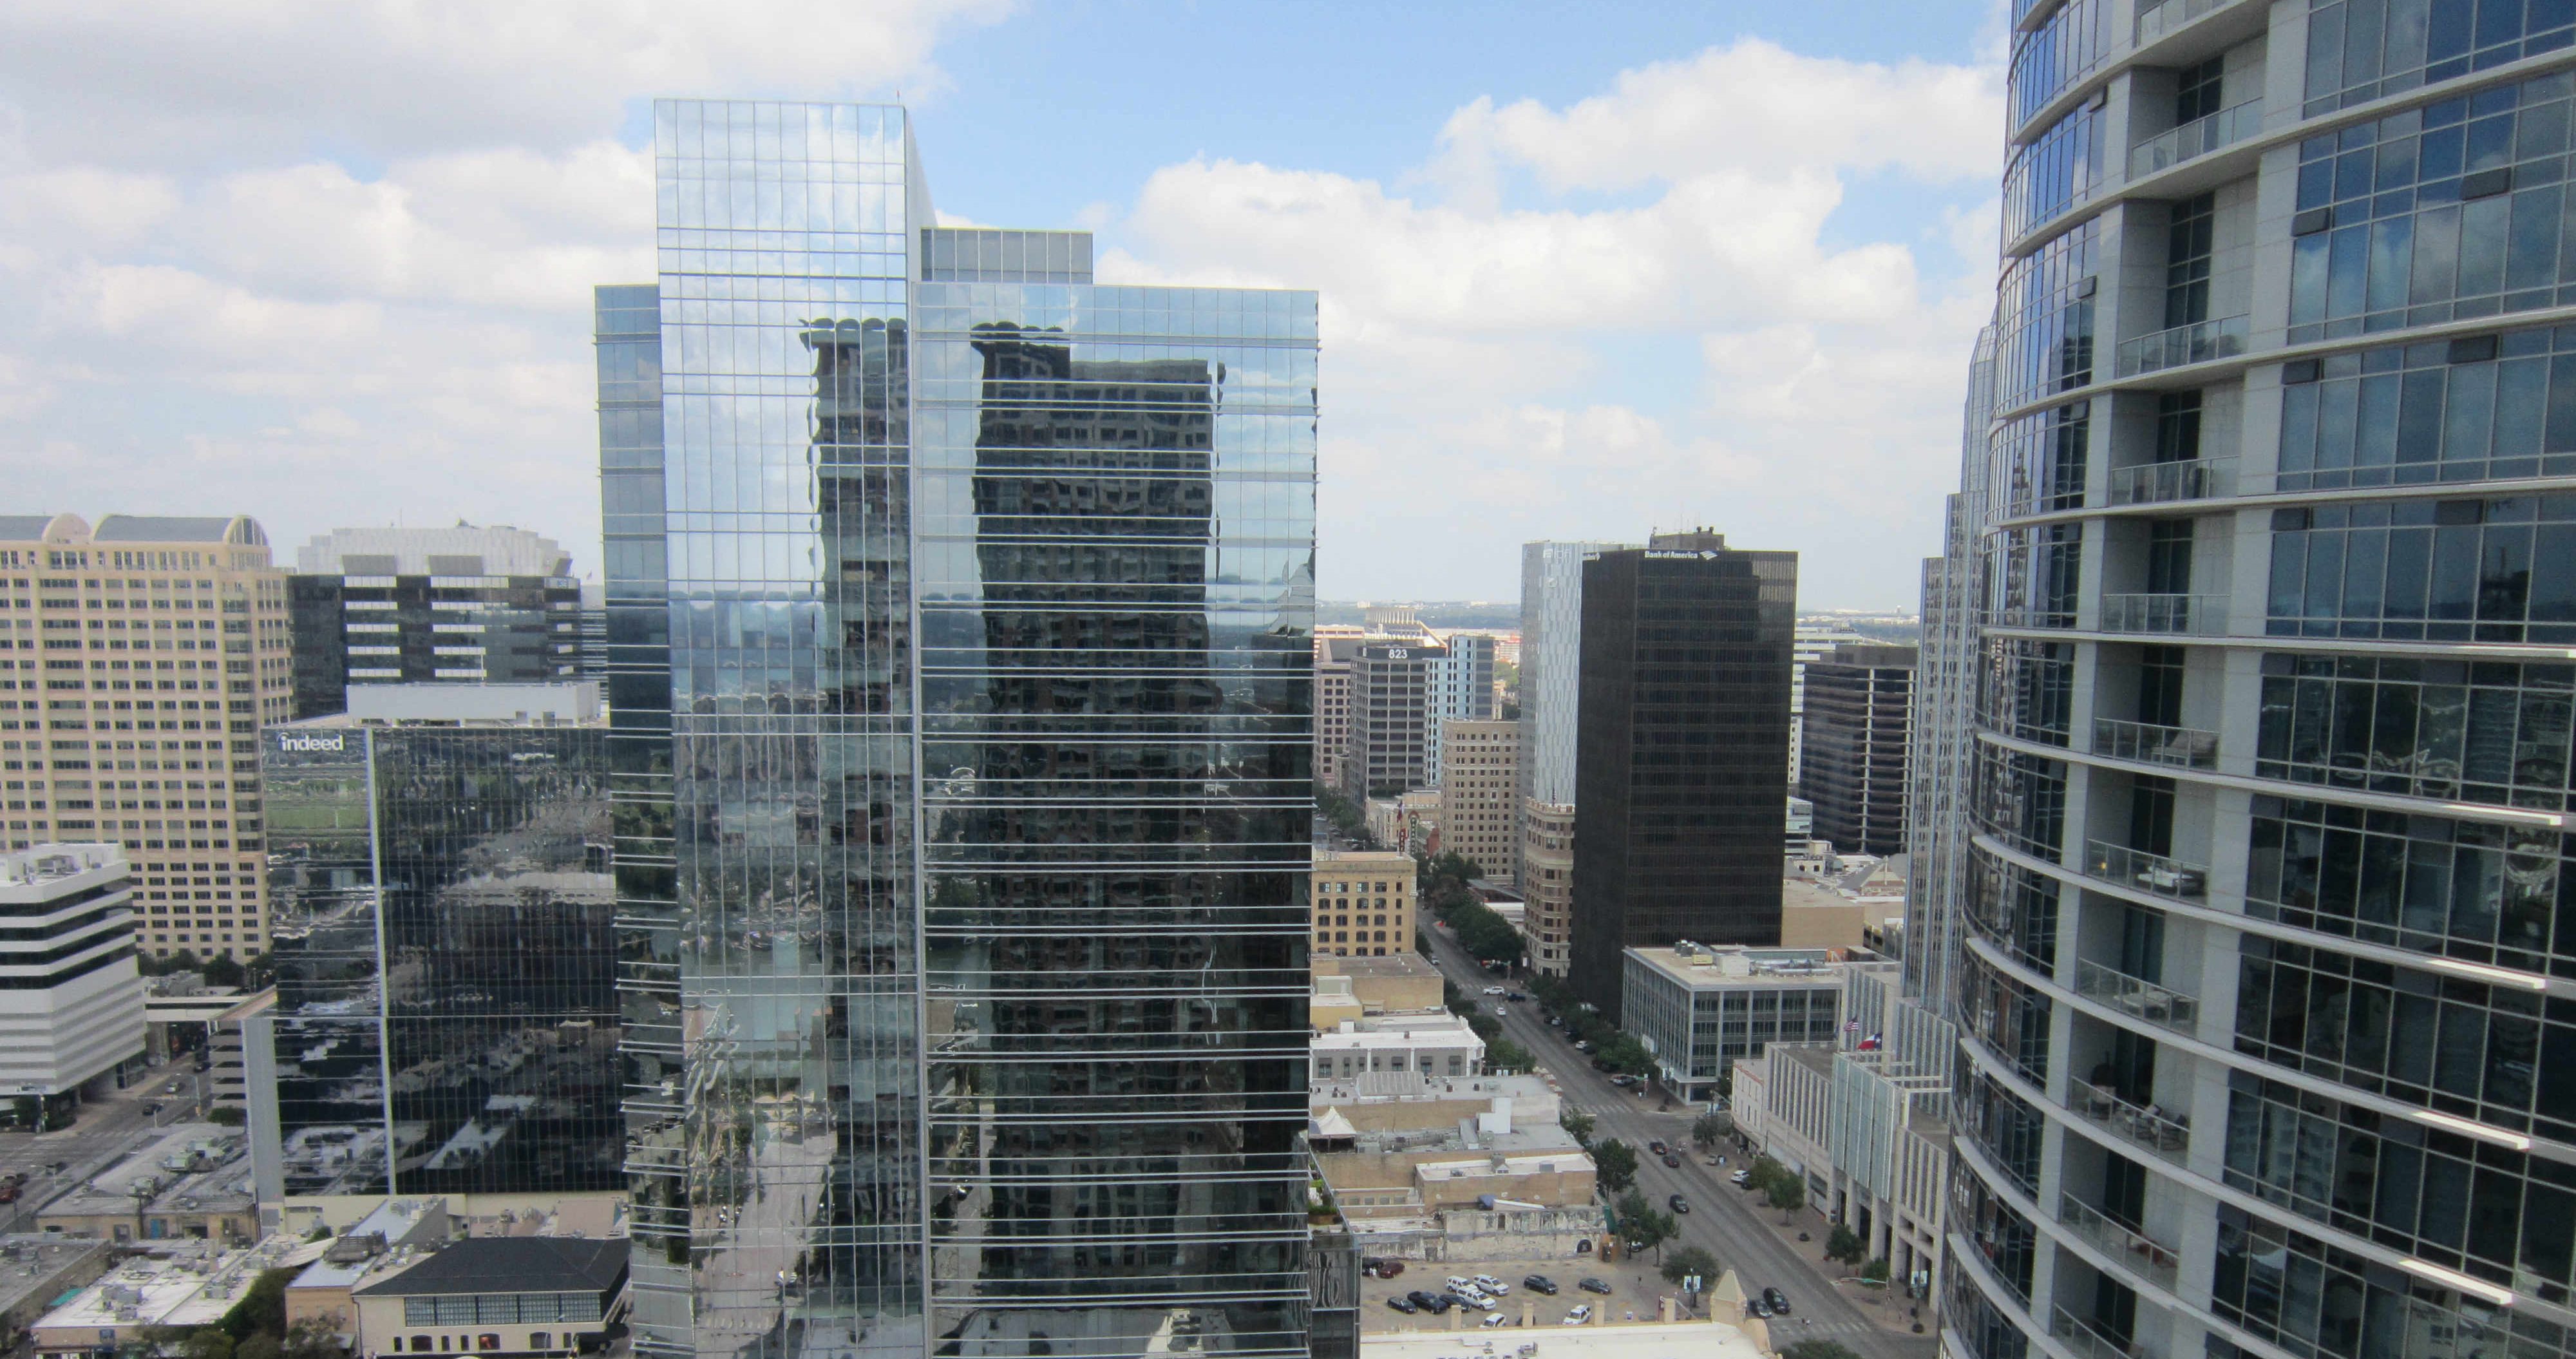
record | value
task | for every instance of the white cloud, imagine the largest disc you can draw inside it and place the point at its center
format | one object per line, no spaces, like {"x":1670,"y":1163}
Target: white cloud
{"x":1643,"y":310}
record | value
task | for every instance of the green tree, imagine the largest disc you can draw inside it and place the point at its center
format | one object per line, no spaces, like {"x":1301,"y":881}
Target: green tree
{"x":226,"y":1115}
{"x":1690,"y":1260}
{"x":1844,"y":1244}
{"x":1787,"y":1193}
{"x":1642,"y":1227}
{"x":1617,"y":1163}
{"x":1502,"y":1054}
{"x":262,"y":1306}
{"x":221,"y":970}
{"x":1708,"y":1128}
{"x":1625,"y":1054}
{"x":311,"y":1338}
{"x":1875,"y":1271}
{"x":208,"y":1343}
{"x":261,"y":1345}
{"x":1579,"y":1123}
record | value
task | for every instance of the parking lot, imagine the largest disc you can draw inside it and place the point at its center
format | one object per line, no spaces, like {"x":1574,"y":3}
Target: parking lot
{"x":1635,"y":1287}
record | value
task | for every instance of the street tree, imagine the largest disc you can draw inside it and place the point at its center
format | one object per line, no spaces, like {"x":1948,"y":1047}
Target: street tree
{"x":1690,"y":1260}
{"x":1709,"y":1128}
{"x":1578,"y":1123}
{"x":1844,"y":1244}
{"x":1616,"y":1163}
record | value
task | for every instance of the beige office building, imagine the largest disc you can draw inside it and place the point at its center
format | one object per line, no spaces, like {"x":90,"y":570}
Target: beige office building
{"x":142,"y":657}
{"x":1363,"y":903}
{"x":1480,"y":764}
{"x":1547,"y":883}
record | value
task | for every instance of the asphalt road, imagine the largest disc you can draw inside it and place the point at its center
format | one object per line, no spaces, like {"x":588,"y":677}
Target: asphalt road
{"x":1723,"y":1219}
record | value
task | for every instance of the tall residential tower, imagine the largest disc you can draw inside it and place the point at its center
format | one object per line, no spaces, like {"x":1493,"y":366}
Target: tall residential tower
{"x":960,"y":655}
{"x":2267,"y":1002}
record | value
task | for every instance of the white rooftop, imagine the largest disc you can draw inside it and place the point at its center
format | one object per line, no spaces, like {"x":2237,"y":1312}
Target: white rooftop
{"x":1550,"y":1340}
{"x":46,"y":864}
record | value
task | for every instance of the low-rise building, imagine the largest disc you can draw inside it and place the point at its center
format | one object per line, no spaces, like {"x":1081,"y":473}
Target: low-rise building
{"x":497,"y":1295}
{"x":1655,"y":1337}
{"x":1700,"y":1009}
{"x":1363,"y":903}
{"x":390,"y":1239}
{"x":34,"y":1271}
{"x":1471,"y":1169}
{"x":1398,"y":1056}
{"x":71,"y":1000}
{"x":1399,"y":983}
{"x":193,"y":1183}
{"x":155,"y":1293}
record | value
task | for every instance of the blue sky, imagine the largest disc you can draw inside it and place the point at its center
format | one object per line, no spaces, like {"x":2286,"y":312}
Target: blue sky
{"x":1587,"y":270}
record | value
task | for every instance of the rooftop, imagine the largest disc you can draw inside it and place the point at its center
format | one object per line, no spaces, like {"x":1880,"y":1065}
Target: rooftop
{"x":193,"y":1168}
{"x":186,"y":1286}
{"x":511,"y":1264}
{"x":1738,"y":966}
{"x":35,"y":1263}
{"x":44,"y":865}
{"x":1365,"y":858}
{"x":1615,"y":1340}
{"x":500,"y":705}
{"x":1392,"y":966}
{"x":239,"y":530}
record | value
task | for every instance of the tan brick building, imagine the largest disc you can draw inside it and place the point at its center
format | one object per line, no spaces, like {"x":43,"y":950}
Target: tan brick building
{"x":142,"y":657}
{"x":1480,"y":764}
{"x":1363,"y":903}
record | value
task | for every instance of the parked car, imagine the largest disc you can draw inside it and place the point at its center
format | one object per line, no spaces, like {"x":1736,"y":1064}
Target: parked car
{"x":1459,"y":1283}
{"x":1623,"y":1080}
{"x":1600,"y":1064}
{"x":1492,"y":1285}
{"x":1756,"y":1307}
{"x":1779,"y":1301}
{"x":1582,"y":1313}
{"x":1433,"y":1303}
{"x":1497,"y":1319}
{"x":1540,"y":1283}
{"x":1405,"y":1305}
{"x":1479,"y":1301}
{"x":1381,"y":1269}
{"x":1595,"y":1286}
{"x":1672,"y":1160}
{"x":1742,"y":1177}
{"x":1678,"y":1204}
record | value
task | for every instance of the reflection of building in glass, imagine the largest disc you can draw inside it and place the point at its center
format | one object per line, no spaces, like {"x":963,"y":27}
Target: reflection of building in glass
{"x":1551,"y":670}
{"x":445,"y":1018}
{"x":1099,"y":502}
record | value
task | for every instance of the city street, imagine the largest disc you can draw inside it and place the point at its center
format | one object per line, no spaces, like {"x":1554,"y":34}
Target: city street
{"x":106,"y":1129}
{"x":1724,"y":1220}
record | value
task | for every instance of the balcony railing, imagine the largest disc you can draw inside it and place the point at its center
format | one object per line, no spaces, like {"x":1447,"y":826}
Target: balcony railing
{"x":2154,"y":483}
{"x":2197,"y":343}
{"x":2156,"y":21}
{"x":2150,"y":1127}
{"x":2184,"y":615}
{"x":2081,"y":1337}
{"x":2152,"y":873}
{"x":2145,"y":741}
{"x":2198,"y":137}
{"x":2137,"y":1250}
{"x":2136,"y":995}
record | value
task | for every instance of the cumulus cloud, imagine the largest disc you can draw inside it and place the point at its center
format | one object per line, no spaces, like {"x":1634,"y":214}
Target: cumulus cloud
{"x":330,"y":261}
{"x":1680,"y":240}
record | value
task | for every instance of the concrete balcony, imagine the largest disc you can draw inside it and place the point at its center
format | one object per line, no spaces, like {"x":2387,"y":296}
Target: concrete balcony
{"x":2151,"y":1128}
{"x":2196,"y":138}
{"x":2158,"y":483}
{"x":2134,"y":995}
{"x":2155,"y":21}
{"x":2154,"y":874}
{"x":2197,"y":343}
{"x":2165,"y":615}
{"x":2181,"y":747}
{"x":2143,"y":1254}
{"x":2083,"y":1339}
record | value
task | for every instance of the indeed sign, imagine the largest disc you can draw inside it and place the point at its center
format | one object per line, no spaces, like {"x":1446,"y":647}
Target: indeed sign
{"x":292,"y":741}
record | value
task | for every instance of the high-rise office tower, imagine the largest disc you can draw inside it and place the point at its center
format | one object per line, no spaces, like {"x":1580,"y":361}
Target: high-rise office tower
{"x":463,"y":605}
{"x":1333,"y":703}
{"x":2264,"y":975}
{"x":960,"y":617}
{"x":1462,"y":687}
{"x":1808,"y":644}
{"x":1388,"y":750}
{"x":1479,"y":792}
{"x":1860,"y":699}
{"x":71,"y":1013}
{"x":1551,"y":667}
{"x":1682,"y":745}
{"x":446,"y":1017}
{"x":149,"y":651}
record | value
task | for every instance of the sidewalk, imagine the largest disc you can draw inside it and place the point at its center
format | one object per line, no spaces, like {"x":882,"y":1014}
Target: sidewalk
{"x":1886,"y":1307}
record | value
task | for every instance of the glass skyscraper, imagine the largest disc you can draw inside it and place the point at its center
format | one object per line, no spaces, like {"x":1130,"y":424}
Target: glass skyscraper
{"x":2263,"y":972}
{"x":960,"y":616}
{"x":446,"y":1017}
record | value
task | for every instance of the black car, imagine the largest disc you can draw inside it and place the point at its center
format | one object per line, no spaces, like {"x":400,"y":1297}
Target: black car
{"x":1779,"y":1301}
{"x":1758,"y":1308}
{"x":1433,"y":1303}
{"x":1678,"y":1204}
{"x":1540,"y":1283}
{"x":1594,"y":1286}
{"x":1405,"y":1305}
{"x":1672,"y":1161}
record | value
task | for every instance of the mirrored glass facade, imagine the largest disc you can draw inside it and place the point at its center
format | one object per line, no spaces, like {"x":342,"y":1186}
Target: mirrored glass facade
{"x":2264,"y":1028}
{"x":960,"y":617}
{"x":446,"y":1019}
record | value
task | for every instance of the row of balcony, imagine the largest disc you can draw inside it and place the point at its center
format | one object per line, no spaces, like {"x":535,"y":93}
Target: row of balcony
{"x":2153,"y":615}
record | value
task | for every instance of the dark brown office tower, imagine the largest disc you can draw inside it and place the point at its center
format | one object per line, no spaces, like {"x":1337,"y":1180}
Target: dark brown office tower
{"x":1681,"y":750}
{"x":1859,"y":706}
